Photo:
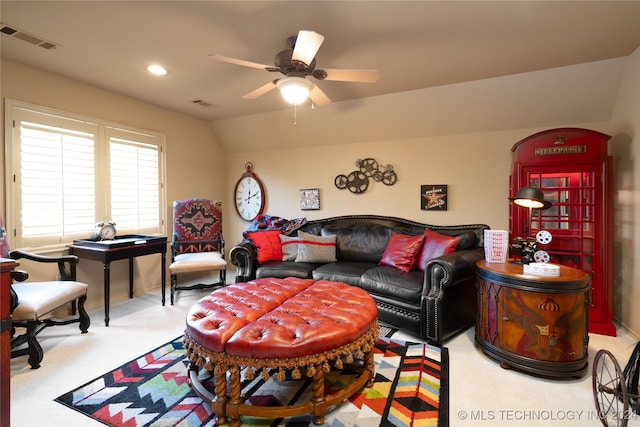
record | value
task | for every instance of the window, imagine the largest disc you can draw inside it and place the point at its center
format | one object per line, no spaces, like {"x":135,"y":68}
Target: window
{"x":65,"y":173}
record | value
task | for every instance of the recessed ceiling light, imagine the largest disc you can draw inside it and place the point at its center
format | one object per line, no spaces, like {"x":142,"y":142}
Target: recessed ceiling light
{"x":158,"y":70}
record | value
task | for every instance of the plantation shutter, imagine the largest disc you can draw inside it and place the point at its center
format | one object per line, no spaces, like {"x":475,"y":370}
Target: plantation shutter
{"x":135,"y":170}
{"x":66,"y":172}
{"x":57,"y":180}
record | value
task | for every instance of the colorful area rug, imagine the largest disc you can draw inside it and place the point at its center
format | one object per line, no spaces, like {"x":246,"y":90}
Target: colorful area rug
{"x":411,"y":389}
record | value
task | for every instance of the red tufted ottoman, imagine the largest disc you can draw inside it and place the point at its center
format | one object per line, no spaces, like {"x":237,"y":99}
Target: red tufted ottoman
{"x":267,"y":325}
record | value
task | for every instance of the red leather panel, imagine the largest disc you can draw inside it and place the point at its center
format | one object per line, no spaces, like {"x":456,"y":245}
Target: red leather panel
{"x":323,"y":317}
{"x":215,"y":318}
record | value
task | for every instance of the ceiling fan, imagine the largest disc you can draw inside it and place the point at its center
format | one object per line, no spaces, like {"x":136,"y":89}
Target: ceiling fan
{"x":296,"y":63}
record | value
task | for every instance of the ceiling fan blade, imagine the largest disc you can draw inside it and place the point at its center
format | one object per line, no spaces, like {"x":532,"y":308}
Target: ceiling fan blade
{"x":261,"y":90}
{"x":235,"y":61}
{"x":307,"y":45}
{"x":364,"y":76}
{"x":318,"y":96}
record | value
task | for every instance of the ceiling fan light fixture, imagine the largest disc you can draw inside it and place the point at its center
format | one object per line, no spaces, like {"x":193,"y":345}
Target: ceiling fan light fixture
{"x":295,"y":90}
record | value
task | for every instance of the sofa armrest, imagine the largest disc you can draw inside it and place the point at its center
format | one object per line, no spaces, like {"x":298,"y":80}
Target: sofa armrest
{"x":448,"y":270}
{"x":245,"y":257}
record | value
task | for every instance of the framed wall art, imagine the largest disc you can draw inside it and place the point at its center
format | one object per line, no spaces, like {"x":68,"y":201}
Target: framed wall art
{"x":310,"y":199}
{"x":433,"y":197}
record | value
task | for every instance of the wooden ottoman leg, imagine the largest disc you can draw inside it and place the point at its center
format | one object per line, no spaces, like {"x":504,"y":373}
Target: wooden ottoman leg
{"x":369,"y":366}
{"x":235,"y":400}
{"x":318,"y":400}
{"x":219,"y":407}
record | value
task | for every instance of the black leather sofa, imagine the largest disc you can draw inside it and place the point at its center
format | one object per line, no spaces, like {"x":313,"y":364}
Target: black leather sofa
{"x":435,"y":304}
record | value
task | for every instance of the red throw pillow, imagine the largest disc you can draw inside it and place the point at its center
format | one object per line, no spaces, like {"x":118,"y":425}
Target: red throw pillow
{"x":435,"y":245}
{"x":268,"y":244}
{"x":401,"y":251}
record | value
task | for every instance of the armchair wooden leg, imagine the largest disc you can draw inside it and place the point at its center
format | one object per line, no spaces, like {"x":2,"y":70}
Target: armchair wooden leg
{"x":174,"y":279}
{"x":85,"y":321}
{"x":34,"y":350}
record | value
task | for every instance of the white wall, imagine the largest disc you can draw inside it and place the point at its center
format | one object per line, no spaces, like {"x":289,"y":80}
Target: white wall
{"x":625,"y":149}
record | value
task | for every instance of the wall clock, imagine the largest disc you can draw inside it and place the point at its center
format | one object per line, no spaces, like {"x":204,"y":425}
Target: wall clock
{"x":249,"y":194}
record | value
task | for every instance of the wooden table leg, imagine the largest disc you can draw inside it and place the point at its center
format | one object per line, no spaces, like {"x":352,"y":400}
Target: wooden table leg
{"x":107,"y":291}
{"x":164,"y":275}
{"x":131,"y":277}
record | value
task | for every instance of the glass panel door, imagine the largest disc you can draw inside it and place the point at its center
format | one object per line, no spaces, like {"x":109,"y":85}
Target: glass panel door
{"x":570,"y":219}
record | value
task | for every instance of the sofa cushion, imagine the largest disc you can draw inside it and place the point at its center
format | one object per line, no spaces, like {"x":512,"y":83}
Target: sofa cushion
{"x":343,"y":271}
{"x":359,"y":242}
{"x":316,"y":249}
{"x":402,"y":251}
{"x":282,"y":269}
{"x":267,"y":243}
{"x":289,"y":247}
{"x":396,"y":284}
{"x":435,"y":245}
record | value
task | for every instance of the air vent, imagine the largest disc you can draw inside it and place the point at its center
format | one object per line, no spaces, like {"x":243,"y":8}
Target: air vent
{"x":17,"y":33}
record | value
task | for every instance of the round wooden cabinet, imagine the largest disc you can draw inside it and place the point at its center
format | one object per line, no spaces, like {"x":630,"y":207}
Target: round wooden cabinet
{"x":537,"y":324}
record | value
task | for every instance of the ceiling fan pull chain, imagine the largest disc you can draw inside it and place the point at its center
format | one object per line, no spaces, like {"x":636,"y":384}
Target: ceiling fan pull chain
{"x":295,"y":115}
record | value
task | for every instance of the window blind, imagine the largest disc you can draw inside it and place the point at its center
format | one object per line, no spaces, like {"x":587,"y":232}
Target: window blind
{"x":57,"y":182}
{"x":135,"y":178}
{"x":69,"y":172}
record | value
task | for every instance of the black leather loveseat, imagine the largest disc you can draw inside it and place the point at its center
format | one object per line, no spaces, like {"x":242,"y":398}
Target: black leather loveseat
{"x":434,"y":304}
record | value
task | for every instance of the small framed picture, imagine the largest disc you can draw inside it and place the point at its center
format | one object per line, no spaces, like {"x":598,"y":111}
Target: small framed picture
{"x":433,"y":197}
{"x":310,"y":199}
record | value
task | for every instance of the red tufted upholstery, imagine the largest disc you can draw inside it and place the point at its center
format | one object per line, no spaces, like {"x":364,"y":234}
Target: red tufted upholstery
{"x":279,"y":324}
{"x":215,"y":318}
{"x":279,"y":318}
{"x":324,"y":316}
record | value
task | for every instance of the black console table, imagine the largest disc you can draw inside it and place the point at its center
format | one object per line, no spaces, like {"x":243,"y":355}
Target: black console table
{"x":121,"y":247}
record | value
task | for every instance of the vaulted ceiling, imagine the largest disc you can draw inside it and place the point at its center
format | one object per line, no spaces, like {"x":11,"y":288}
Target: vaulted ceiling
{"x":413,"y":44}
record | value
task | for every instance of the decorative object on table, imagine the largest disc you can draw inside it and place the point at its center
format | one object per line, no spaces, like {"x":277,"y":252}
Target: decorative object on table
{"x":433,"y":197}
{"x":105,"y":229}
{"x":496,"y":244}
{"x":530,"y":198}
{"x":358,"y":181}
{"x":541,"y":269}
{"x":249,"y":194}
{"x":296,"y":63}
{"x":310,"y":199}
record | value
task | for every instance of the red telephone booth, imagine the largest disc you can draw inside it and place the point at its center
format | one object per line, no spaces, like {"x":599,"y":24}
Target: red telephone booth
{"x":573,"y":169}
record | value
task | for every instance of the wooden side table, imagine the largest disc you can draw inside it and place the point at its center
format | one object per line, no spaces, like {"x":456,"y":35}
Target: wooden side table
{"x":121,"y":247}
{"x":537,"y":324}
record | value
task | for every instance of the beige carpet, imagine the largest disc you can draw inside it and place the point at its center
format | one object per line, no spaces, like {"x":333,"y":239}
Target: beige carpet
{"x":482,"y":393}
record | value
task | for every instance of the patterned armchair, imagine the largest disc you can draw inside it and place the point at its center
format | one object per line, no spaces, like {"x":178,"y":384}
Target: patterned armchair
{"x":197,"y":244}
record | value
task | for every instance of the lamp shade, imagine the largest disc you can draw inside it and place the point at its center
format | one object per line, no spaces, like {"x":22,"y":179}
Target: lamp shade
{"x":531,"y":197}
{"x":295,"y":90}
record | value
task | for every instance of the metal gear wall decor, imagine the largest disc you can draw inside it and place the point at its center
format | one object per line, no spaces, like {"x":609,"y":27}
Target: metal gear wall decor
{"x":358,"y":181}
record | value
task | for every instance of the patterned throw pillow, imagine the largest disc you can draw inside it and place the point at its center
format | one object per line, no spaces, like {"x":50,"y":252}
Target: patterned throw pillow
{"x":435,"y":245}
{"x":317,"y":249}
{"x":402,"y":251}
{"x":267,"y":243}
{"x":289,"y":247}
